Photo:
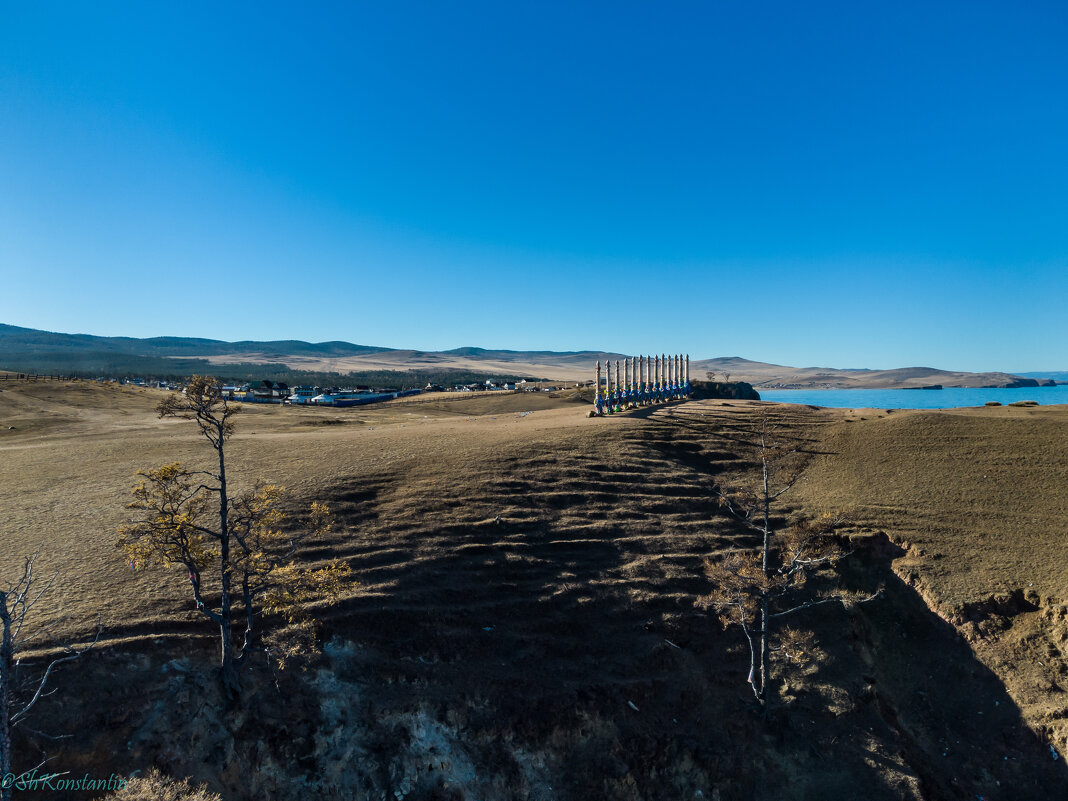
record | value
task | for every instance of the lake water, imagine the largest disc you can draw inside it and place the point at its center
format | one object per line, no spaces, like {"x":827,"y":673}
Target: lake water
{"x":913,"y":398}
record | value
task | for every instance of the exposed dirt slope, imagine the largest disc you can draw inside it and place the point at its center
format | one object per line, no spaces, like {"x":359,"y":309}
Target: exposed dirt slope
{"x":978,"y":499}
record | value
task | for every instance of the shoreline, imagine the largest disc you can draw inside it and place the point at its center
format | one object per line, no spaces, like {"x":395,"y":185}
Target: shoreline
{"x":910,"y":398}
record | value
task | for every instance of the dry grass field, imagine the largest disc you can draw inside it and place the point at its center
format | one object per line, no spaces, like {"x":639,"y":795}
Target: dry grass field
{"x":528,"y":580}
{"x":979,"y":500}
{"x":563,"y":370}
{"x":568,"y":367}
{"x":71,"y":452}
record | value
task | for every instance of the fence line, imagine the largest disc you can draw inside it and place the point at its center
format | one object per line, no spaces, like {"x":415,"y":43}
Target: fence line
{"x":643,"y":381}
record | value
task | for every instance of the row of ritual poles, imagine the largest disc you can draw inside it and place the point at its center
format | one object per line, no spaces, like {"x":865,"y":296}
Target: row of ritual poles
{"x":641,"y":381}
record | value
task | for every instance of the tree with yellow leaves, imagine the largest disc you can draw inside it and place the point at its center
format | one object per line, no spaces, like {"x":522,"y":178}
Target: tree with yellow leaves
{"x":756,"y":589}
{"x":239,"y":555}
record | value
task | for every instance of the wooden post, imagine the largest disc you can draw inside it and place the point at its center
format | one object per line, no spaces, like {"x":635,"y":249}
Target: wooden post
{"x":608,"y":402}
{"x":597,"y":389}
{"x":616,"y":399}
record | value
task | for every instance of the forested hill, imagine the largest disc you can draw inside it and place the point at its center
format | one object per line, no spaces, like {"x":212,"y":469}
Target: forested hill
{"x":29,"y":340}
{"x":292,"y":361}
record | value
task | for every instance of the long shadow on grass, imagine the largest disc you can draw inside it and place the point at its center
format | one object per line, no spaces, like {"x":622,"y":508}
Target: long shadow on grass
{"x":955,"y":723}
{"x":554,"y":609}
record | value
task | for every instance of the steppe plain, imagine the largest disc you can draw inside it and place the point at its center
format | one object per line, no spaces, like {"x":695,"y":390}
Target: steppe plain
{"x":525,"y":622}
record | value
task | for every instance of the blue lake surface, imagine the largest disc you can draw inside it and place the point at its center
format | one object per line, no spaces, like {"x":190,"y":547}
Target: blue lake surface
{"x":913,"y":398}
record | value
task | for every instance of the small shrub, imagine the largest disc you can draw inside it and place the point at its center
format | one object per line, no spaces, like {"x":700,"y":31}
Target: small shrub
{"x":993,"y":403}
{"x":1024,"y":403}
{"x":154,"y":786}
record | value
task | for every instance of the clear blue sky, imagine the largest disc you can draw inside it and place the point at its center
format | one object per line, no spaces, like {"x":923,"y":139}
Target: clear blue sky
{"x":843,"y":184}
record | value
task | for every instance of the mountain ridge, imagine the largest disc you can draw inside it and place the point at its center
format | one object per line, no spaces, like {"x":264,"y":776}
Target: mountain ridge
{"x":19,"y":347}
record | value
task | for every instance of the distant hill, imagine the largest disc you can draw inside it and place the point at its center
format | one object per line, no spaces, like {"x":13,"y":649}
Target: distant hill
{"x":773,"y":376}
{"x":582,"y":357}
{"x":29,"y":340}
{"x":292,"y":361}
{"x":45,"y":351}
{"x":1060,"y":376}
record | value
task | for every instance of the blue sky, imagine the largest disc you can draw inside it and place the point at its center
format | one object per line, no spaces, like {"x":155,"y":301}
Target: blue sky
{"x":841,"y":184}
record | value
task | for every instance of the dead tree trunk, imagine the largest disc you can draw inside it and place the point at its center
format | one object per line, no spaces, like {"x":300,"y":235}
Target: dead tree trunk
{"x":16,"y":698}
{"x":227,"y":665}
{"x":754,"y":587}
{"x":7,"y":666}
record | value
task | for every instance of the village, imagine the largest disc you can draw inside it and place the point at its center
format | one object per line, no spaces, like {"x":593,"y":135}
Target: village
{"x":272,"y":392}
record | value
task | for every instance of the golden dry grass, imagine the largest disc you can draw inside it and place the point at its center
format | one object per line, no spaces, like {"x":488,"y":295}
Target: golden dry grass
{"x":557,"y":370}
{"x":565,"y":367}
{"x":510,"y":539}
{"x":978,"y":493}
{"x":70,"y":453}
{"x":979,"y":499}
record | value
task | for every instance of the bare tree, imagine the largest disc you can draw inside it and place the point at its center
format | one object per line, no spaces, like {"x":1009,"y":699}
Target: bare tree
{"x":233,"y":546}
{"x":19,"y":692}
{"x":756,"y":589}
